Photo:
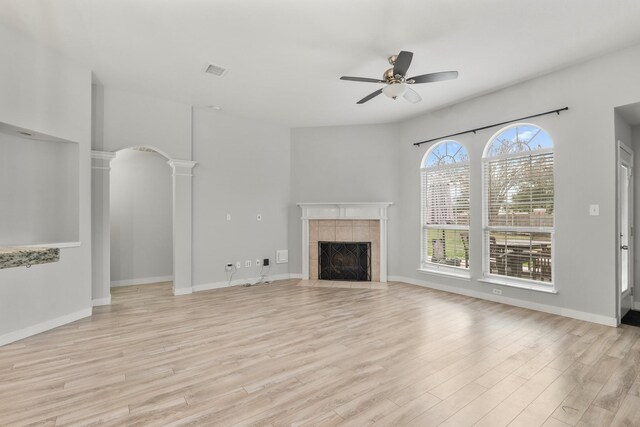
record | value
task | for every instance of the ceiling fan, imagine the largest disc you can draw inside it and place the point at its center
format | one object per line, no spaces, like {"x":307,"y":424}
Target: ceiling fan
{"x":396,"y":82}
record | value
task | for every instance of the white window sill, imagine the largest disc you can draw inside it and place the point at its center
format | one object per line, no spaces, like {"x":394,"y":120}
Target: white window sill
{"x":548,"y":289}
{"x":446,"y":272}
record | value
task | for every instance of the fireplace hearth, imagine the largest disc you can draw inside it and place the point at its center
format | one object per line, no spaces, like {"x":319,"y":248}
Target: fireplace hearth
{"x":344,"y":261}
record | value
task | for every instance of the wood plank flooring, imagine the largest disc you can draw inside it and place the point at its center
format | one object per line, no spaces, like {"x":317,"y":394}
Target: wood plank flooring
{"x":282,"y":354}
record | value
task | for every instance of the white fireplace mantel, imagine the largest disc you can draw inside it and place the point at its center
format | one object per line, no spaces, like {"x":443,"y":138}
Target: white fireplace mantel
{"x":345,"y":211}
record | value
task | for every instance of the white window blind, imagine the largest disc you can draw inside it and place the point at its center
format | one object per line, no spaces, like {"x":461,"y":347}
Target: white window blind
{"x":445,"y":207}
{"x":519,"y":205}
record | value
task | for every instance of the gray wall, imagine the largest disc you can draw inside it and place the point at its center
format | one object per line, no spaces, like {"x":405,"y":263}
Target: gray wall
{"x":125,"y":119}
{"x":344,"y":164}
{"x":43,"y":191}
{"x":585,"y":164}
{"x":141,"y":216}
{"x":243,"y":170}
{"x":45,"y":92}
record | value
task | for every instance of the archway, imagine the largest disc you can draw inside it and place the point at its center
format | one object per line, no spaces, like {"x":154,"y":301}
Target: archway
{"x":181,"y":223}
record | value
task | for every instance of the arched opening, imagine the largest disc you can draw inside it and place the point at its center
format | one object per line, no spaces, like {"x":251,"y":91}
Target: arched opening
{"x":180,"y":172}
{"x":141,"y":231}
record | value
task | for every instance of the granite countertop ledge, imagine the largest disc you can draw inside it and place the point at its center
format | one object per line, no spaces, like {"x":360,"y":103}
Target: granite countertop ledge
{"x":26,"y":257}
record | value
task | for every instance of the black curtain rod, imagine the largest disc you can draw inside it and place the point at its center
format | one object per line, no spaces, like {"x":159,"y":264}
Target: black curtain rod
{"x":417,"y":144}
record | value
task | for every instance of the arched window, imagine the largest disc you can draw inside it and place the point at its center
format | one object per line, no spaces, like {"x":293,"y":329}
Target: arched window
{"x":518,"y":205}
{"x":445,"y":206}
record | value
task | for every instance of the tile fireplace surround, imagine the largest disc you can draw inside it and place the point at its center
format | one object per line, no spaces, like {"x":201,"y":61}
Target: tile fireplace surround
{"x":344,"y":222}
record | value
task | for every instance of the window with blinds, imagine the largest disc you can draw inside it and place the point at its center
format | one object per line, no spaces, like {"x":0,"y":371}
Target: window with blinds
{"x":445,"y":206}
{"x":519,"y":204}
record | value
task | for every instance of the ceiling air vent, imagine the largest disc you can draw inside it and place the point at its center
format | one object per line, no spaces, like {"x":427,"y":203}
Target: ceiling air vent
{"x":216,"y":70}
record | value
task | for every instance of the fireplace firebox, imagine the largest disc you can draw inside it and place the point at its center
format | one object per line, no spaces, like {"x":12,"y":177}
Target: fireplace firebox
{"x":344,"y":261}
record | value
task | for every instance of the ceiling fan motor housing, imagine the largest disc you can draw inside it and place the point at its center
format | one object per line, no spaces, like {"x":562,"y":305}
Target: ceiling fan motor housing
{"x":389,"y":77}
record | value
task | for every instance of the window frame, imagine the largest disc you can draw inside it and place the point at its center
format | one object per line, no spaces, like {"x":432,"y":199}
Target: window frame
{"x":428,"y":266}
{"x":504,"y":280}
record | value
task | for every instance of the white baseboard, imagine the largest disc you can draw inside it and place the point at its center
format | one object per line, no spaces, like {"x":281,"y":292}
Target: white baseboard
{"x":101,"y":301}
{"x":295,"y":276}
{"x":141,"y":281}
{"x":44,"y":326}
{"x":226,"y":284}
{"x":182,"y":291}
{"x":560,"y":311}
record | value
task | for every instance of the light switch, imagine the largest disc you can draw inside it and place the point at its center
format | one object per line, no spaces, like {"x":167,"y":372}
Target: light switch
{"x":228,"y":217}
{"x":594,"y":210}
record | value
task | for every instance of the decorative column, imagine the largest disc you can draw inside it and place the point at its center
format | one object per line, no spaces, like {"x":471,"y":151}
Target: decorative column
{"x":182,"y":230}
{"x":100,"y":228}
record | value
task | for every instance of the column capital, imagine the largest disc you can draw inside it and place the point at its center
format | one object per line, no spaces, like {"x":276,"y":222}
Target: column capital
{"x":181,"y":167}
{"x":102,"y":155}
{"x":101,"y":159}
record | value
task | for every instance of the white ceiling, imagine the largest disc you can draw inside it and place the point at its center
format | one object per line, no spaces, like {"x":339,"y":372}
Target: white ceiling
{"x":285,"y":56}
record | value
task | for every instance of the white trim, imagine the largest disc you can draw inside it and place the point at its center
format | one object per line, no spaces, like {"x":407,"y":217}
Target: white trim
{"x":53,"y":245}
{"x":237,"y":282}
{"x":182,"y":163}
{"x":630,"y":165}
{"x":140,"y":281}
{"x":101,"y":301}
{"x":103,"y":155}
{"x":182,"y":291}
{"x":560,"y":311}
{"x":44,"y":326}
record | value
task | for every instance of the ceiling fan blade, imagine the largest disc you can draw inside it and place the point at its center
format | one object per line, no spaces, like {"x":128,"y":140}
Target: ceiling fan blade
{"x":370,"y":96}
{"x":412,"y":96}
{"x":403,"y":61}
{"x":433,"y":77}
{"x":361,"y":79}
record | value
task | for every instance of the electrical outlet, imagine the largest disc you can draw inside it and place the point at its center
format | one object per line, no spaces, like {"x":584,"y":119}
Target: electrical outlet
{"x":238,"y":264}
{"x":265,"y":261}
{"x":259,"y":217}
{"x":257,"y":263}
{"x":247,"y":263}
{"x":497,"y":291}
{"x":228,"y":217}
{"x":228,"y":267}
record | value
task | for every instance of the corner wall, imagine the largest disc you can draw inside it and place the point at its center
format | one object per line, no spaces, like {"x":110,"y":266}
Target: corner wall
{"x":243,"y":170}
{"x":345,"y":164}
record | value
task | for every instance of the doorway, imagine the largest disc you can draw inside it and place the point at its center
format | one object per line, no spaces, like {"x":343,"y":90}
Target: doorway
{"x":100,"y":224}
{"x":625,"y":229}
{"x":141,"y":202}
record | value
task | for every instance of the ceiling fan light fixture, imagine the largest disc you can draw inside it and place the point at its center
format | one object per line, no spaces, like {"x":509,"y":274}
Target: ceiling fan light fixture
{"x":394,"y":90}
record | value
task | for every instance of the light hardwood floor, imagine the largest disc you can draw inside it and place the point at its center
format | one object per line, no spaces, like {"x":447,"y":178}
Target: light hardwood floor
{"x":283,"y":354}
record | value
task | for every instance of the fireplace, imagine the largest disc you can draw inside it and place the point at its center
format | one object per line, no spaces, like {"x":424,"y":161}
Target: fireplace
{"x":344,"y":261}
{"x":352,"y":223}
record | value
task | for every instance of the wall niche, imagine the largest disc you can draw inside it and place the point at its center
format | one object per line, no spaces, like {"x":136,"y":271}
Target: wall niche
{"x":39,"y":188}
